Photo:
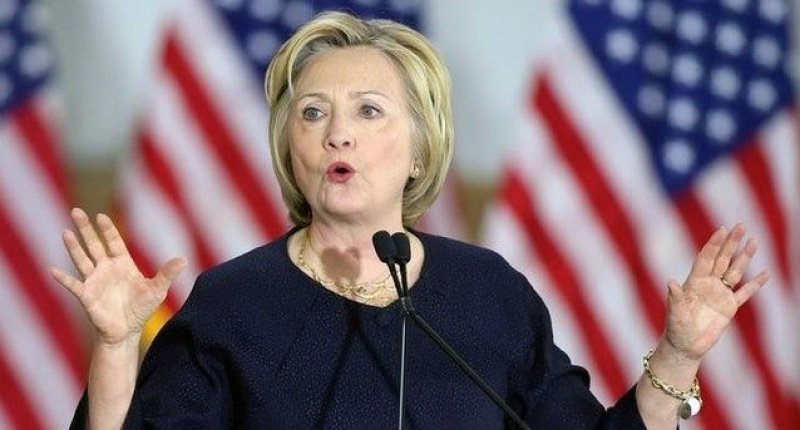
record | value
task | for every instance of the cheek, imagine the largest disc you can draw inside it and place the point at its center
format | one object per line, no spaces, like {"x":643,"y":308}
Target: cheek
{"x":301,"y":150}
{"x":399,"y":141}
{"x":299,"y":167}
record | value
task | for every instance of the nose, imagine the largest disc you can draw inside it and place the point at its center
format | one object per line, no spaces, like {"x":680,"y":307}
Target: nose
{"x":340,"y":133}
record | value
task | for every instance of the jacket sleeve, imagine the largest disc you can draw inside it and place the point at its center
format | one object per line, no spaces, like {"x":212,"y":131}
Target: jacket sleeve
{"x":181,"y":383}
{"x":551,"y":392}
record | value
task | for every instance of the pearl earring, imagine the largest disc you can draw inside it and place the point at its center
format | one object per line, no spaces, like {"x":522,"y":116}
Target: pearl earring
{"x":415,"y":172}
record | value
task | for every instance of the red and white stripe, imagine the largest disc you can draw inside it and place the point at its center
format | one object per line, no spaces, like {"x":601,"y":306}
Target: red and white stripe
{"x":583,"y":208}
{"x":42,"y":357}
{"x":199,"y":181}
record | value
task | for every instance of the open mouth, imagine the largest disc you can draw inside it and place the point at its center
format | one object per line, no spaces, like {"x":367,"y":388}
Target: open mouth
{"x":340,"y":172}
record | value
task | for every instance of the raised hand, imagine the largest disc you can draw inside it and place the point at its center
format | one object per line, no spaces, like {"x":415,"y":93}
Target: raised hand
{"x":116,"y":296}
{"x":699,"y":311}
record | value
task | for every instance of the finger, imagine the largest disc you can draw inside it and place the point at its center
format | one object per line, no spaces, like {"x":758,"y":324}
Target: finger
{"x":116,"y":246}
{"x":746,"y":291}
{"x":169,"y":272}
{"x":67,"y":281}
{"x":76,"y":253}
{"x":96,"y":249}
{"x":723,"y":258}
{"x":741,"y":262}
{"x":704,"y":263}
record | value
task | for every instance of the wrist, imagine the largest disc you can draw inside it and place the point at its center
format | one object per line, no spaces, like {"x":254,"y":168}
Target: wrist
{"x":119,"y":345}
{"x":690,"y":399}
{"x":667,"y":354}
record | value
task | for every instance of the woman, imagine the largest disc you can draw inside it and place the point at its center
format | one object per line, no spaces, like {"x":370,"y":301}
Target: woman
{"x":304,"y":332}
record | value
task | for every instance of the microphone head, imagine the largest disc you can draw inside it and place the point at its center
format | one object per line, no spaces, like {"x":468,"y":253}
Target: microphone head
{"x":384,"y":246}
{"x":403,"y":247}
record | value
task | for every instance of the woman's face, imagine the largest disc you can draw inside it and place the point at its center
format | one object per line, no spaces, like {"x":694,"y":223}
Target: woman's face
{"x":350,"y":136}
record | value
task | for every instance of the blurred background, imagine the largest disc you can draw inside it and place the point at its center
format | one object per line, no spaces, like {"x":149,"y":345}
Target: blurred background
{"x":110,"y":51}
{"x":598,"y":145}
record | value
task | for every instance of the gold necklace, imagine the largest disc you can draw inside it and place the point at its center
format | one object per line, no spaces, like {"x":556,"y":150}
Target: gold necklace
{"x":371,"y":291}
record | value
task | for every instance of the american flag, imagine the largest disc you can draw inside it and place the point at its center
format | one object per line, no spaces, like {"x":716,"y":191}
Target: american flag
{"x":199,"y":181}
{"x":42,"y":360}
{"x":647,"y":124}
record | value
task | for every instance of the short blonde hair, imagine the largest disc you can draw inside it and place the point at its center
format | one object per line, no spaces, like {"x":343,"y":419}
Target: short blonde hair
{"x":427,"y":85}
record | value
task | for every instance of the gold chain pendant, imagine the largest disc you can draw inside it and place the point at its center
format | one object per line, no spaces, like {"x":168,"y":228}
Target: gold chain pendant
{"x":373,"y":291}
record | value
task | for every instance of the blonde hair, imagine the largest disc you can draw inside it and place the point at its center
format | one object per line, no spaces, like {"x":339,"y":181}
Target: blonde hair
{"x":427,"y":85}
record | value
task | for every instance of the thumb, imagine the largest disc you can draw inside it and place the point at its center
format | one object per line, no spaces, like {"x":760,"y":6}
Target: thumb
{"x":674,"y":290}
{"x":169,"y":272}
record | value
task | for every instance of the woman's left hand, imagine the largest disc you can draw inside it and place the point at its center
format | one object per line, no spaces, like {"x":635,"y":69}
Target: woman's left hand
{"x":699,"y":311}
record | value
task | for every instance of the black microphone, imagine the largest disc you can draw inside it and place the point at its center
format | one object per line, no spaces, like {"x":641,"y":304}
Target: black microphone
{"x":387,"y":253}
{"x":403,"y":247}
{"x":384,"y":246}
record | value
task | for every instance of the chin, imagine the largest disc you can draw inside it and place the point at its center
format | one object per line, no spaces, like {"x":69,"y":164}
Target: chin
{"x":346,"y":210}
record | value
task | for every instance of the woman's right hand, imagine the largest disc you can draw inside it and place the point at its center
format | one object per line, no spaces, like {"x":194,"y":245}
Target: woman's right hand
{"x":116,"y":296}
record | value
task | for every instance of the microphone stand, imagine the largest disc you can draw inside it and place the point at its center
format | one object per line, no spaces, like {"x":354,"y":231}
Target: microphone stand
{"x":401,"y":258}
{"x":388,"y":253}
{"x":402,"y":292}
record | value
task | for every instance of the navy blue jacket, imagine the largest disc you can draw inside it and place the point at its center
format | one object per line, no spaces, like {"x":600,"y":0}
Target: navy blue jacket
{"x":259,"y":344}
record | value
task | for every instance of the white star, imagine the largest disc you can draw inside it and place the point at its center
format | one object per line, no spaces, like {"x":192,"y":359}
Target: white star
{"x":262,"y":44}
{"x":682,"y":114}
{"x":761,"y":95}
{"x":736,"y":5}
{"x":692,"y":27}
{"x":720,"y":125}
{"x":628,"y":9}
{"x":265,"y":10}
{"x":660,"y":15}
{"x":730,"y":38}
{"x":687,"y":70}
{"x":8,"y":8}
{"x":656,"y":58}
{"x":621,"y":45}
{"x":766,"y":52}
{"x":296,"y":13}
{"x":772,"y":10}
{"x":35,"y":18}
{"x":651,"y":100}
{"x":35,"y":60}
{"x":679,"y":156}
{"x":725,"y":83}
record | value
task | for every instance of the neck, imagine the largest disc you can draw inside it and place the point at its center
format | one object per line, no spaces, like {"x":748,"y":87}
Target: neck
{"x":346,"y":253}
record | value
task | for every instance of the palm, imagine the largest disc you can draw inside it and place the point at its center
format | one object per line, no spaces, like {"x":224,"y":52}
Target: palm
{"x":701,"y":310}
{"x":117,"y":298}
{"x":115,"y":295}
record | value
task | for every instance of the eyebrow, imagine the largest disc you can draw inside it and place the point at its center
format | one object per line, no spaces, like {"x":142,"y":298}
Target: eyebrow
{"x":368,"y":92}
{"x":353,"y":95}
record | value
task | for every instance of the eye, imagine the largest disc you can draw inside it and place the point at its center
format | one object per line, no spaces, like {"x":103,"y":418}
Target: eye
{"x":312,"y":113}
{"x":369,"y":111}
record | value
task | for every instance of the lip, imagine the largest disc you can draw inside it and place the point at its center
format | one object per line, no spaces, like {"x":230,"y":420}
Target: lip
{"x":339,"y":172}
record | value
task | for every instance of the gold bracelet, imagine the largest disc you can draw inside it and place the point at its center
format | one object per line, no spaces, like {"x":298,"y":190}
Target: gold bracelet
{"x":691,"y":401}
